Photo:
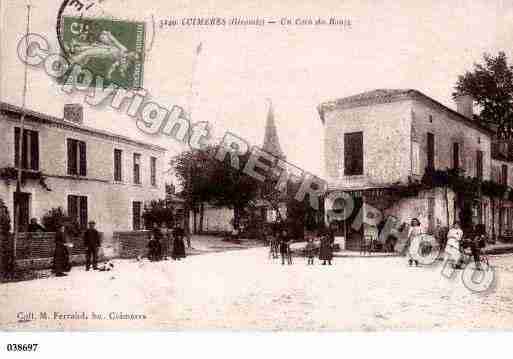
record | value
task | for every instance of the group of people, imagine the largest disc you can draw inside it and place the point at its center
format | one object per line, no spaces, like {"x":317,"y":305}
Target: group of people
{"x":455,"y":244}
{"x":280,"y":246}
{"x":161,"y":240}
{"x":61,"y":258}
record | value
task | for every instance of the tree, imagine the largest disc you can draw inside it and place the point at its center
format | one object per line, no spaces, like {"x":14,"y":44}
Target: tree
{"x":56,"y":217}
{"x":490,"y":84}
{"x":158,"y":211}
{"x":207,"y":180}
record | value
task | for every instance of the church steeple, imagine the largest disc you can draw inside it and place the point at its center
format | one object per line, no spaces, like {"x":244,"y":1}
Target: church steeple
{"x":271,"y":140}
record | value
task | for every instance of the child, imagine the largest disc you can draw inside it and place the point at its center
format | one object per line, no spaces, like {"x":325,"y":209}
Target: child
{"x":310,"y":251}
{"x":273,"y":244}
{"x":414,"y":231}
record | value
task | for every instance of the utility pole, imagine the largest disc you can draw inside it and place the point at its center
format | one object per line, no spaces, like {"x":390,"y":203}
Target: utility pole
{"x":17,"y":196}
{"x":189,"y":203}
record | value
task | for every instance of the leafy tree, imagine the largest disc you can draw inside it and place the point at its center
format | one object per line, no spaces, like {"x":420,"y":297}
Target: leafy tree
{"x":158,"y":211}
{"x":491,"y":85}
{"x":205,"y":179}
{"x":56,"y":217}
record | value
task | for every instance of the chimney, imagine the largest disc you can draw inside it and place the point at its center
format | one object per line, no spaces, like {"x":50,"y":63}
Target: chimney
{"x":74,"y":112}
{"x":465,"y":105}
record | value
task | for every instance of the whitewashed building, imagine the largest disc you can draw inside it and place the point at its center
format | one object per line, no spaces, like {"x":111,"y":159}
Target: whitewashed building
{"x":91,"y":174}
{"x":381,"y":138}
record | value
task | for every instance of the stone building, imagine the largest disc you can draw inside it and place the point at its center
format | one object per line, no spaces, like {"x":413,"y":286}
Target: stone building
{"x":90,"y":173}
{"x":379,"y":139}
{"x":501,"y":172}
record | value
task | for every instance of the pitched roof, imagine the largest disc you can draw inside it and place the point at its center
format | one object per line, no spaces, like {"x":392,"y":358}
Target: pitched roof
{"x":379,"y":96}
{"x":47,"y":119}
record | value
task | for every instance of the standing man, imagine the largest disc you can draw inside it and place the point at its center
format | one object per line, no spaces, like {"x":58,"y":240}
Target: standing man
{"x":92,"y":243}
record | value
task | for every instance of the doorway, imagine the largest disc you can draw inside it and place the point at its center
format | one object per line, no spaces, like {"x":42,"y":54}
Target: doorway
{"x":22,"y":200}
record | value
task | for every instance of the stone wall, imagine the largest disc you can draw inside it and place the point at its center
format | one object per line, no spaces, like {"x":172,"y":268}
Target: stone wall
{"x":132,"y":243}
{"x":386,"y":143}
{"x":36,"y":250}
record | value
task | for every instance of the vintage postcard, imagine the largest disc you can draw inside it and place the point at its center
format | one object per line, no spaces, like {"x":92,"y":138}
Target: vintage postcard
{"x":256,"y":166}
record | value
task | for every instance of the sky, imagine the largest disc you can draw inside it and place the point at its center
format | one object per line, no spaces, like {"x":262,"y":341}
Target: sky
{"x":423,"y":45}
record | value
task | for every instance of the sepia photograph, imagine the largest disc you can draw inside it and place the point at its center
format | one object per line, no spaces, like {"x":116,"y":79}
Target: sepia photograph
{"x":257,"y":166}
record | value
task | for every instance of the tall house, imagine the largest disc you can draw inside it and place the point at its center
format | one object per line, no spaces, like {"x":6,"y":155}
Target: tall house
{"x":89,"y":173}
{"x":377,"y":139}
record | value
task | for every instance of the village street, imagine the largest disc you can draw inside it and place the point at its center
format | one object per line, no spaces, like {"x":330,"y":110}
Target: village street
{"x":244,"y":290}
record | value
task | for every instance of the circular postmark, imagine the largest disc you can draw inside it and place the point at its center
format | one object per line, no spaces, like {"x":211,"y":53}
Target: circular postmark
{"x":92,"y":37}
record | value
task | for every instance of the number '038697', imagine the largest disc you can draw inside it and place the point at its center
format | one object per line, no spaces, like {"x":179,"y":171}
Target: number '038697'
{"x":22,"y":347}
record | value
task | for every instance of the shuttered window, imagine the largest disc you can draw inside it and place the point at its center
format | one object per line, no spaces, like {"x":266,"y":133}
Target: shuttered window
{"x":30,"y":149}
{"x":137,"y":168}
{"x":136,"y":215}
{"x":479,"y":164}
{"x":353,"y":153}
{"x":118,"y":174}
{"x":77,"y":209}
{"x":430,"y":151}
{"x":456,"y":155}
{"x":504,"y":175}
{"x":77,"y":157}
{"x":153,"y":171}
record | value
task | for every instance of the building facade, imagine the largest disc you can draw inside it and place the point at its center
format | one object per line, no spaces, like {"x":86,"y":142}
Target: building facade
{"x":378,"y":139}
{"x":502,"y":172}
{"x":90,"y":174}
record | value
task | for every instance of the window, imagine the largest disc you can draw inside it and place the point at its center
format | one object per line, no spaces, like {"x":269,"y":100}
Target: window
{"x":153,"y":171}
{"x":353,"y":153}
{"x":504,"y":175}
{"x":29,"y":151}
{"x":415,"y":158}
{"x":136,"y":215}
{"x":479,"y":164}
{"x":137,"y":168}
{"x":430,"y":151}
{"x":77,"y":209}
{"x":77,"y":161}
{"x":118,"y":174}
{"x":456,"y":155}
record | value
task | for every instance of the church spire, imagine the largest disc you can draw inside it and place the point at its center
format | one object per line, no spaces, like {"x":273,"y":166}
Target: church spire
{"x":271,"y":140}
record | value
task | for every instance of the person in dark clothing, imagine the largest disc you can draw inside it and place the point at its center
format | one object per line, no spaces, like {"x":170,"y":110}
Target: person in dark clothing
{"x":166,"y":240}
{"x":310,"y":251}
{"x":326,"y":247}
{"x":285,"y":247}
{"x":91,"y":243}
{"x":178,"y":243}
{"x":477,"y":243}
{"x":61,"y":262}
{"x":155,"y":243}
{"x":34,"y":226}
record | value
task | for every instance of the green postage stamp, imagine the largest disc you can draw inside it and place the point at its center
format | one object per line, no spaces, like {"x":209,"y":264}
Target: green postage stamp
{"x":113,"y":49}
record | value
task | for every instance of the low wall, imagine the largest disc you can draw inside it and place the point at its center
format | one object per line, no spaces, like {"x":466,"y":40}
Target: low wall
{"x":36,"y":250}
{"x":132,"y":243}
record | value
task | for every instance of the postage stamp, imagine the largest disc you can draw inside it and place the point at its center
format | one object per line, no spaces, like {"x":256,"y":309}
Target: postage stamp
{"x":113,"y":49}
